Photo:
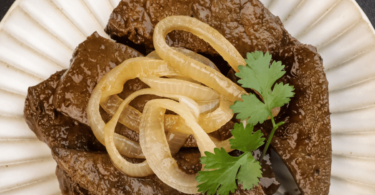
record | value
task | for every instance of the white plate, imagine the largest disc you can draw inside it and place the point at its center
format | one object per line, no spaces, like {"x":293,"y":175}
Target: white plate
{"x":37,"y":38}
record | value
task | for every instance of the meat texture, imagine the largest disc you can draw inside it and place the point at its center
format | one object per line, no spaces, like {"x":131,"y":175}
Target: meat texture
{"x":67,"y":186}
{"x":96,"y":173}
{"x":304,"y":142}
{"x":52,"y":127}
{"x":247,"y":24}
{"x":91,"y":61}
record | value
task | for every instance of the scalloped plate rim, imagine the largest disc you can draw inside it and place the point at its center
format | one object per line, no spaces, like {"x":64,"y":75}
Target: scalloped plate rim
{"x":363,"y":17}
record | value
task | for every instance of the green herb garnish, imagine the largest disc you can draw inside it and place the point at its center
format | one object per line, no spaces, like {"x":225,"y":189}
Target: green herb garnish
{"x":222,"y":170}
{"x":225,"y":167}
{"x":259,"y":76}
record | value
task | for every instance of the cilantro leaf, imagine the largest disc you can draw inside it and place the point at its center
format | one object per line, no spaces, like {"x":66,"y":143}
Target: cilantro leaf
{"x":280,"y":95}
{"x":260,"y":76}
{"x":244,"y":138}
{"x":249,"y":173}
{"x":251,"y":107}
{"x":224,"y":175}
{"x":222,"y":179}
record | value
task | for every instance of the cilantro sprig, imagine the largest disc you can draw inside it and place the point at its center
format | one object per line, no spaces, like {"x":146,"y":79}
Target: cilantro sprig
{"x":222,"y":172}
{"x":260,"y":76}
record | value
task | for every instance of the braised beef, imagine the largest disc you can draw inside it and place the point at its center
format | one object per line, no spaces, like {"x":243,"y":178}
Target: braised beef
{"x":125,"y":131}
{"x":91,"y":61}
{"x":96,"y":173}
{"x":132,"y":86}
{"x":67,"y":186}
{"x":188,"y":160}
{"x":304,"y":142}
{"x":247,"y":24}
{"x":224,"y":132}
{"x":190,"y":142}
{"x":52,"y":127}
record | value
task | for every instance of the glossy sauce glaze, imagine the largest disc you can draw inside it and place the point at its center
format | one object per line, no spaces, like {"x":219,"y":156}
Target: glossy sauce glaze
{"x":71,"y":139}
{"x":56,"y":109}
{"x":53,"y":127}
{"x":67,"y":185}
{"x":91,"y":60}
{"x":304,"y":142}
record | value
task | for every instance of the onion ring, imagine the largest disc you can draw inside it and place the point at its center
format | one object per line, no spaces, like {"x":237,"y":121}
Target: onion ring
{"x":188,"y":53}
{"x":176,"y":140}
{"x":155,"y":147}
{"x":130,"y":117}
{"x":112,"y":83}
{"x":178,"y":63}
{"x":135,"y":170}
{"x":193,"y":68}
{"x":213,"y":121}
{"x":209,"y":121}
{"x":175,"y":86}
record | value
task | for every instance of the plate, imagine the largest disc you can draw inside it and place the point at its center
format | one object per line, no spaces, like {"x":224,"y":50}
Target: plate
{"x":37,"y":38}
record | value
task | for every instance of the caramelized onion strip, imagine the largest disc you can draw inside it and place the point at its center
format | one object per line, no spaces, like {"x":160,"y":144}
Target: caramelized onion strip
{"x":208,"y":106}
{"x":177,"y":140}
{"x":190,"y":54}
{"x":175,"y":86}
{"x":142,"y":169}
{"x":213,"y":121}
{"x":193,"y":68}
{"x":135,"y":170}
{"x":131,"y":169}
{"x":211,"y":118}
{"x":184,"y":79}
{"x":131,"y":117}
{"x":112,"y":83}
{"x":155,"y":147}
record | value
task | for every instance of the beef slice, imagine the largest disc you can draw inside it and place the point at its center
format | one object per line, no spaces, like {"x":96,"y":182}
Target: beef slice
{"x":247,"y":24}
{"x":67,"y":186}
{"x":53,"y":127}
{"x":91,"y":60}
{"x":304,"y":141}
{"x":95,"y":172}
